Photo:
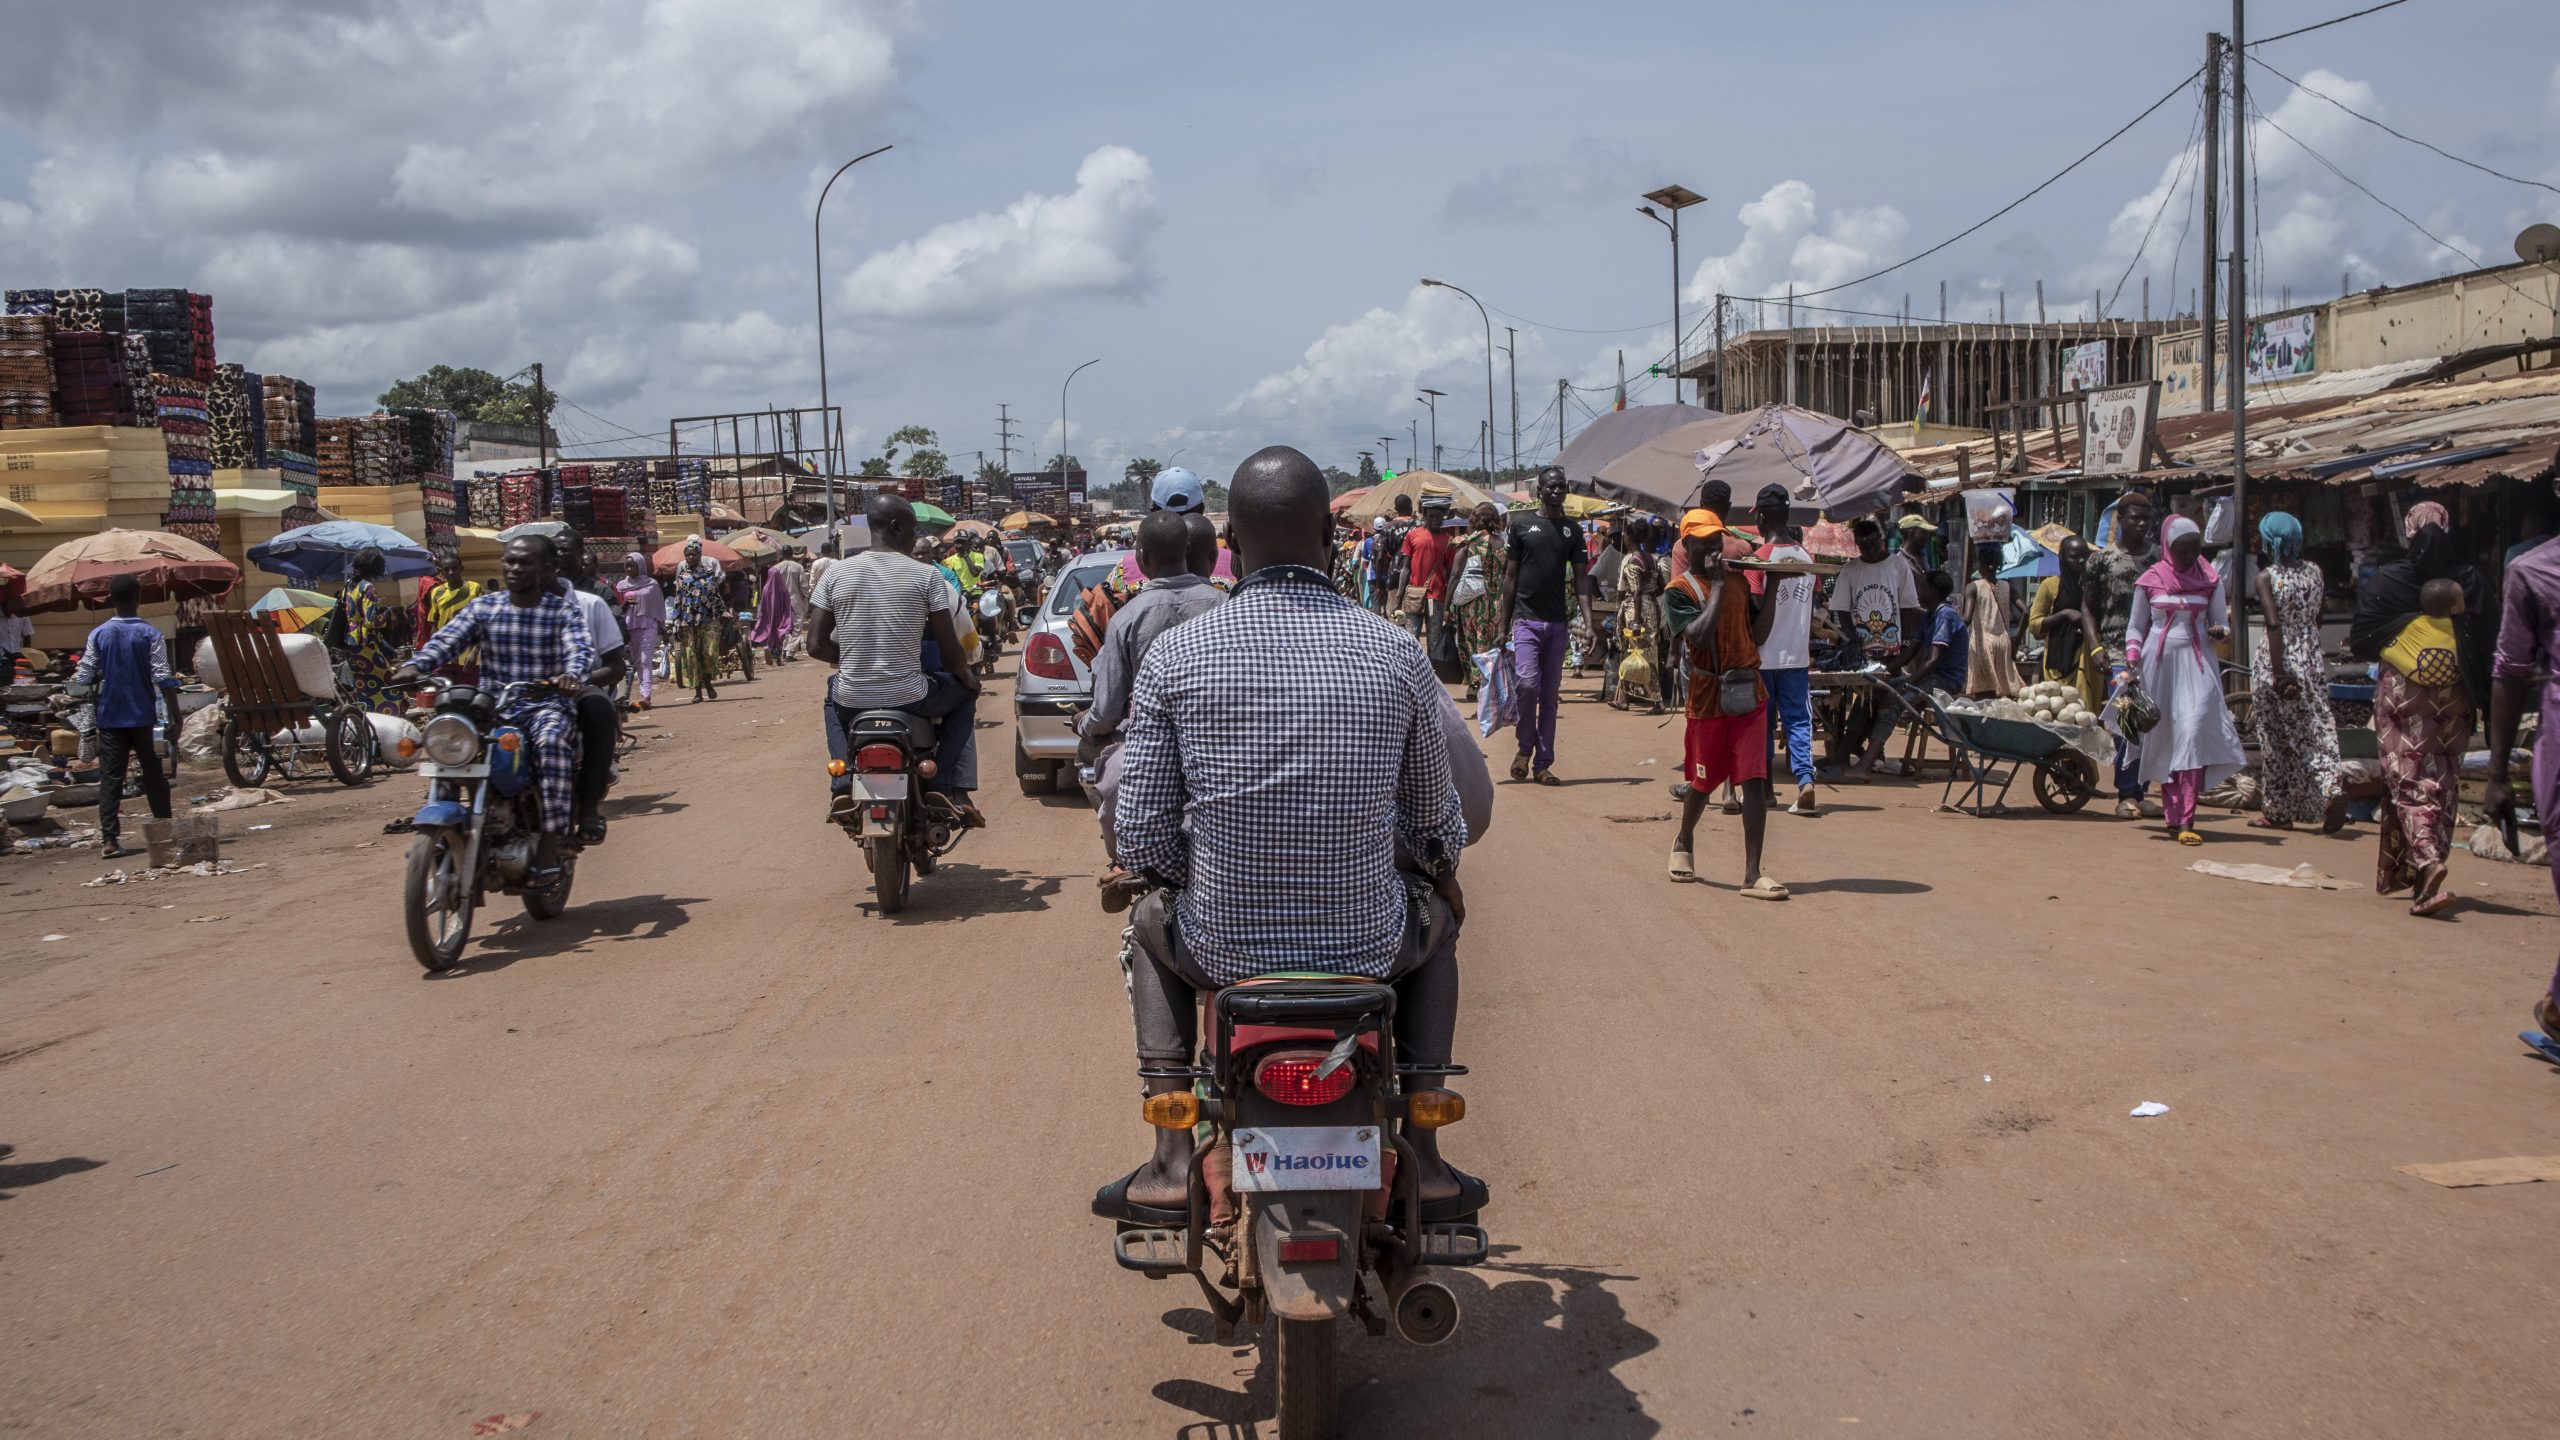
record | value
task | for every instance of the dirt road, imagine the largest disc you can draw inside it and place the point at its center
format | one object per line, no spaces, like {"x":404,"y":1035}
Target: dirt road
{"x":720,"y":1152}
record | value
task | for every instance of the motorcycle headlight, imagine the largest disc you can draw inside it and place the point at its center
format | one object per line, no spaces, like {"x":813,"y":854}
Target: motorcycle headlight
{"x":450,"y":740}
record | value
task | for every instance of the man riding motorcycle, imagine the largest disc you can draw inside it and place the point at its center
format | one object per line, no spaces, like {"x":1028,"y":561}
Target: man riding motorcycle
{"x":1286,"y":776}
{"x":871,"y":616}
{"x":529,"y":632}
{"x":599,"y":723}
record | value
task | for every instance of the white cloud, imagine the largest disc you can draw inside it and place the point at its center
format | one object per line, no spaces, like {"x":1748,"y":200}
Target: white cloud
{"x":1787,"y":239}
{"x":1091,"y":241}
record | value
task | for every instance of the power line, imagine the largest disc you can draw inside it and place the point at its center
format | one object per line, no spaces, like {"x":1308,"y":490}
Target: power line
{"x":2396,"y":135}
{"x":1569,"y":330}
{"x":2325,"y":24}
{"x":2186,"y":155}
{"x":1986,"y":220}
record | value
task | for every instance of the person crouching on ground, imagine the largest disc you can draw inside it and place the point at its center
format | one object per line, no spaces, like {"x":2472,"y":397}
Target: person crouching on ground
{"x":1728,"y":705}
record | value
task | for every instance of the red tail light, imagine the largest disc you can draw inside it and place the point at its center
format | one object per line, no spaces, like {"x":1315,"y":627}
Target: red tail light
{"x":1290,"y":1078}
{"x":876,"y":758}
{"x":1300,"y":1252}
{"x":1047,"y":658}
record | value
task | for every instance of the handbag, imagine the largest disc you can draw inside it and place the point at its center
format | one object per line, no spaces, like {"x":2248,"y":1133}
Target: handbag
{"x":1737,"y":689}
{"x":1470,"y":586}
{"x":1447,"y":660}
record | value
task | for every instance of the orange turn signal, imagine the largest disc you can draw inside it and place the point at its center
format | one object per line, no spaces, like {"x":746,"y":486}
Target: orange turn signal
{"x":835,"y":768}
{"x":407,"y":747}
{"x":1431,"y":1109}
{"x":1177,"y":1110}
{"x":510,"y":742}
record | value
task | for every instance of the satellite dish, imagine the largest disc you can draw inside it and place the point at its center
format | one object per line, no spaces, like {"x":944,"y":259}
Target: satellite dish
{"x":2539,"y":244}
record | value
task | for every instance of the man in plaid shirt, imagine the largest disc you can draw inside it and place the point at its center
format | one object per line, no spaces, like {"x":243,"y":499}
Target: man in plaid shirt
{"x":529,"y":632}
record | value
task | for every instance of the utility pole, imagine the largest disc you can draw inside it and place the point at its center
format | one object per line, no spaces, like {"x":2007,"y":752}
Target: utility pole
{"x":1431,"y":398}
{"x":2239,"y":325}
{"x":1413,"y":443}
{"x":2212,"y":211}
{"x":1488,"y":454}
{"x":1387,"y":448}
{"x":1511,"y":361}
{"x":1005,"y":426}
{"x":541,"y":422}
{"x":1719,"y":350}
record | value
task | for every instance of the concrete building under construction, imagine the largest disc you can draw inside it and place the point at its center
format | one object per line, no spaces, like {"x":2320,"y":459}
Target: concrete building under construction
{"x":1874,"y":374}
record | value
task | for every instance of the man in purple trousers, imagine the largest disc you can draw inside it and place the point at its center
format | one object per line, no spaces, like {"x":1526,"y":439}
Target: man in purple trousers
{"x":1542,"y":571}
{"x":2528,"y":654}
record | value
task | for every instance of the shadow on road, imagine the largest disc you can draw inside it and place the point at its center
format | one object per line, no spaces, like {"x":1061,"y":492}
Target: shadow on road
{"x":1532,"y":1358}
{"x":959,"y":891}
{"x":521,"y":937}
{"x":19,"y":1177}
{"x":624,"y":807}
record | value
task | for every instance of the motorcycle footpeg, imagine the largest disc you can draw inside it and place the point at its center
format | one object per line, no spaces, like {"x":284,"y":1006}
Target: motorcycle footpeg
{"x":1154,"y":1253}
{"x":1454,"y":1245}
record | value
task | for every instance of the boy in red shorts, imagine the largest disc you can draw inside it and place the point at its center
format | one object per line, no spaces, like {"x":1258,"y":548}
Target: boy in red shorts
{"x":1727,"y":741}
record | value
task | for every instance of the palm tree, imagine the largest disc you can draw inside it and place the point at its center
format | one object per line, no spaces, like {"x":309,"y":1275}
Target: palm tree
{"x":1142,"y":470}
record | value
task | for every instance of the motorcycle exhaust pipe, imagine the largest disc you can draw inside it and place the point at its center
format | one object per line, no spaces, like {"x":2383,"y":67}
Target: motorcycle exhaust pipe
{"x":1426,"y":1312}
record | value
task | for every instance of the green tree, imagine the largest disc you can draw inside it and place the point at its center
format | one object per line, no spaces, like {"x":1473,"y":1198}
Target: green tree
{"x":992,"y":474}
{"x":1368,"y":470}
{"x":925,"y":459}
{"x":1142,"y":471}
{"x":876,"y":465}
{"x":1064,"y":463}
{"x":471,"y":394}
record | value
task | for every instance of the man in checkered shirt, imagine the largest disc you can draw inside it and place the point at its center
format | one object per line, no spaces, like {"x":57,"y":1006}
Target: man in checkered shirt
{"x":530,"y":631}
{"x":1286,"y":773}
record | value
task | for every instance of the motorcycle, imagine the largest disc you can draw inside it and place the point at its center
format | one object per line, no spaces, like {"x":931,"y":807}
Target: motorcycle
{"x":902,"y":826}
{"x":481,"y":821}
{"x":1305,"y":1201}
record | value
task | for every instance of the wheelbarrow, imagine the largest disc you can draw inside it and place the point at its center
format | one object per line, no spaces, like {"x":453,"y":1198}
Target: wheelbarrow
{"x":2065,"y":779}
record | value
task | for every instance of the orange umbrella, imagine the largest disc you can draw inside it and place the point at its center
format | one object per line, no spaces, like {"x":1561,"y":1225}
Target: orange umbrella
{"x":972,"y":527}
{"x":664,"y":563}
{"x":169,"y":567}
{"x":11,"y":582}
{"x":1349,"y":498}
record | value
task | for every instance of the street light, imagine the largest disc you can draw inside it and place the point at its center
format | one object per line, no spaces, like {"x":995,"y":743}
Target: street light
{"x":1387,"y":447}
{"x":1674,"y":198}
{"x":1066,"y":454}
{"x":1488,"y":374}
{"x":818,"y":252}
{"x":1432,"y":398}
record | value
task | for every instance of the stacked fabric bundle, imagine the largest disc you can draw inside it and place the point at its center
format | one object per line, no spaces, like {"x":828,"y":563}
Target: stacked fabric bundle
{"x":481,"y":499}
{"x":519,"y":497}
{"x":662,"y":486}
{"x":138,"y":373}
{"x":693,"y":487}
{"x":611,"y":510}
{"x":226,"y":404}
{"x":89,"y":374}
{"x":359,"y":450}
{"x":178,"y":328}
{"x":188,"y":427}
{"x":577,"y":498}
{"x":26,"y":302}
{"x":88,"y":310}
{"x":26,"y":372}
{"x":435,"y":493}
{"x":290,"y":409}
{"x":424,"y":441}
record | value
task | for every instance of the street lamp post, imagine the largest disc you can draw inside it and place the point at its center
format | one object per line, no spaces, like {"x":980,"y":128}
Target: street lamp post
{"x":1674,"y":198}
{"x":1065,"y":452}
{"x":818,"y":253}
{"x":1488,"y":374}
{"x":1387,"y":447}
{"x":1432,"y":398}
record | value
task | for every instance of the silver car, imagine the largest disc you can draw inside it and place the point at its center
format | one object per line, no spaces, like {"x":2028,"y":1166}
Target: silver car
{"x":1051,"y":686}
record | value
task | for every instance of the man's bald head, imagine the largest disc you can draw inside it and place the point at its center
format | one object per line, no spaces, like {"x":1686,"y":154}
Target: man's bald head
{"x":1278,"y":511}
{"x":1204,"y":544}
{"x":1164,"y":545}
{"x":893,"y":522}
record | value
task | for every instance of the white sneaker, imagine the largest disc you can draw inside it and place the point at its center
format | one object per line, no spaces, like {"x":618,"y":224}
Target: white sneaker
{"x":2127,"y":810}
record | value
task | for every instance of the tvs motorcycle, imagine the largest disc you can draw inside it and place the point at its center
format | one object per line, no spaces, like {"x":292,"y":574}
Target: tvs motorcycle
{"x":482,"y":819}
{"x":904,"y":828}
{"x":1305,"y":1205}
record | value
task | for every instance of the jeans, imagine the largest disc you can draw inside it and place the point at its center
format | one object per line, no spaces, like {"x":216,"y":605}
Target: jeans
{"x":114,"y":746}
{"x":954,"y":713}
{"x":1791,"y":707}
{"x":1537,"y":668}
{"x":1164,"y":986}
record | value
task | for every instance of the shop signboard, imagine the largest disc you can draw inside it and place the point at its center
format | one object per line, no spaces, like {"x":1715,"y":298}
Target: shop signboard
{"x":2116,"y":427}
{"x":2283,"y":348}
{"x":2084,"y":367}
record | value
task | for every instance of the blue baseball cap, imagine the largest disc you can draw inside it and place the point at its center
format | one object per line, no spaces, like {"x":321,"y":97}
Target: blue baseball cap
{"x":1177,"y":490}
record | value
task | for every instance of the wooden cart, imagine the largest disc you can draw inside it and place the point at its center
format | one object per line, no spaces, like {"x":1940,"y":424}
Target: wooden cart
{"x":268,"y":717}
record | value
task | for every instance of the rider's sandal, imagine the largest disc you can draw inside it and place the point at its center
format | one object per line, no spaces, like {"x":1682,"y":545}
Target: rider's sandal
{"x":591,"y":830}
{"x":1471,"y":1197}
{"x":1112,"y":1202}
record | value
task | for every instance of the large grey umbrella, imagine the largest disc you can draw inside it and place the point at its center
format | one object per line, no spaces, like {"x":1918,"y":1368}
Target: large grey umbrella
{"x":1619,"y":431}
{"x":1821,"y":460}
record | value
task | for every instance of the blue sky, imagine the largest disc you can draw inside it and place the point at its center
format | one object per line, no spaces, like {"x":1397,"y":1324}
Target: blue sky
{"x":1229,"y":205}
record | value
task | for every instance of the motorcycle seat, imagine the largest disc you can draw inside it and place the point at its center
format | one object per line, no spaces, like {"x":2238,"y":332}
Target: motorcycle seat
{"x":916,"y":730}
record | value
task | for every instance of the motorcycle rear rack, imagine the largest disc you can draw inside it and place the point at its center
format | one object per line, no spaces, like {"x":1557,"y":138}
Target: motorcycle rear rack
{"x":1154,"y":1253}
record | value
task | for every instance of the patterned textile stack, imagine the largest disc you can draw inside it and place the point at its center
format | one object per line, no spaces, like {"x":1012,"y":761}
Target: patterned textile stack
{"x":637,"y":496}
{"x":519,"y":497}
{"x":483,"y":502}
{"x":188,"y":427}
{"x":360,"y":450}
{"x":425,"y":441}
{"x":662,"y":486}
{"x":226,"y":403}
{"x":178,"y":329}
{"x":610,"y":510}
{"x":302,"y":476}
{"x":577,"y":497}
{"x":26,"y":302}
{"x":138,"y":374}
{"x":26,"y":372}
{"x":334,"y":450}
{"x":436,"y":493}
{"x":289,"y":406}
{"x":89,"y":373}
{"x":693,"y":487}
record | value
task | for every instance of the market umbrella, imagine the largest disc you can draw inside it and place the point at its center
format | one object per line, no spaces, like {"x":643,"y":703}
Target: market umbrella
{"x":1619,"y":431}
{"x":1350,"y":497}
{"x":972,"y":527}
{"x":664,"y":562}
{"x":1381,"y":499}
{"x":170,"y":567}
{"x":756,"y":542}
{"x":1576,"y":507}
{"x":538,"y":530}
{"x":2026,"y":557}
{"x":11,"y":582}
{"x":852,"y":535}
{"x":1027,"y":520}
{"x":716,"y":513}
{"x":1823,"y":461}
{"x":295,"y":610}
{"x":928,"y":513}
{"x":14,"y":516}
{"x":327,"y":551}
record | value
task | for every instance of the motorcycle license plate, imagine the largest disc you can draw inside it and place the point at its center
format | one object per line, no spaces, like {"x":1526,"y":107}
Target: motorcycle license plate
{"x":883,"y":789}
{"x":1306,"y":1157}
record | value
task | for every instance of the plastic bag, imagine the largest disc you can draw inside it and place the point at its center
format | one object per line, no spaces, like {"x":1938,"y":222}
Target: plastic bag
{"x":1448,"y":662}
{"x":1470,"y":587}
{"x":1499,"y":705}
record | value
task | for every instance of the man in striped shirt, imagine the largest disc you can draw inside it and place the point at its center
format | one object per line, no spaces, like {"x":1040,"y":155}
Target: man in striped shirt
{"x":872,"y":616}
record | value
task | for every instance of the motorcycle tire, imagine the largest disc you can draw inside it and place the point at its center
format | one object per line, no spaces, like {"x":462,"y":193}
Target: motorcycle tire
{"x":435,"y":867}
{"x":889,"y":875}
{"x":245,"y":758}
{"x":351,"y":745}
{"x":550,"y":904}
{"x":746,"y":659}
{"x":1307,"y":1386}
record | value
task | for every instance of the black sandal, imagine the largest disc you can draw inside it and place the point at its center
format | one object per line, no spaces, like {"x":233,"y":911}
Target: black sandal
{"x":1112,"y":1202}
{"x":591,"y":830}
{"x":1473,"y":1194}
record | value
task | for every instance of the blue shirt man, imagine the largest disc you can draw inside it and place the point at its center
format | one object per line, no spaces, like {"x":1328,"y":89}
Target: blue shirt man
{"x":123,"y":664}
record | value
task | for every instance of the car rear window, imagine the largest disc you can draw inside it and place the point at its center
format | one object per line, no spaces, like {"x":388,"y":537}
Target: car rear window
{"x":1071,"y":587}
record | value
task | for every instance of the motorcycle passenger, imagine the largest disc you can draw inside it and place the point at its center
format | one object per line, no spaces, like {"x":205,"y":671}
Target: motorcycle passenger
{"x":1175,"y":591}
{"x":529,"y":632}
{"x":870,"y":617}
{"x":968,"y":569}
{"x":1286,"y":775}
{"x":599,"y":722}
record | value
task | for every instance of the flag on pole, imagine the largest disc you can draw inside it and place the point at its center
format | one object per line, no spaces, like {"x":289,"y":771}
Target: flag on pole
{"x":1920,"y":412}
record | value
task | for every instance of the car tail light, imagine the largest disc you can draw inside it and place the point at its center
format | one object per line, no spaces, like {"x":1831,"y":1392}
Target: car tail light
{"x":1290,"y":1078}
{"x":1299,"y":1252}
{"x":1047,"y":658}
{"x":876,"y":758}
